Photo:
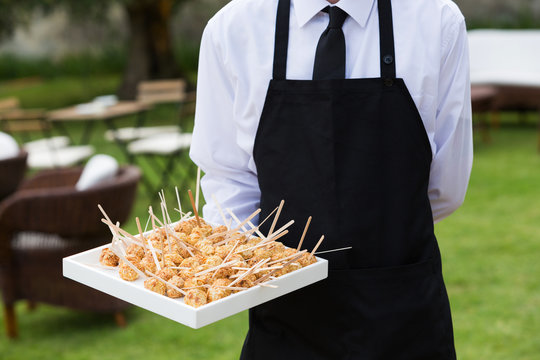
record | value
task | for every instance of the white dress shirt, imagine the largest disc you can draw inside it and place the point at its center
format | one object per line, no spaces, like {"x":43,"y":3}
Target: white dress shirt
{"x":235,"y":67}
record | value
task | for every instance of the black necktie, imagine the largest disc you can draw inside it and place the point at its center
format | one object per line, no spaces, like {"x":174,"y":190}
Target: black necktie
{"x":330,"y":54}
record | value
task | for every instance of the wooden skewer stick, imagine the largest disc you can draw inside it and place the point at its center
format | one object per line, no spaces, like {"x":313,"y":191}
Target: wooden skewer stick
{"x":147,"y":222}
{"x":317,"y":246}
{"x":328,"y":251}
{"x":276,"y":218}
{"x":141,"y":233}
{"x":104,"y":213}
{"x":119,"y":237}
{"x":178,"y":199}
{"x":236,"y":219}
{"x":265,"y":277}
{"x":194,"y":208}
{"x":196,"y":287}
{"x":218,"y":205}
{"x":166,"y":227}
{"x":276,"y":236}
{"x":197,"y":188}
{"x":184,"y":216}
{"x":253,"y":268}
{"x":231,"y":252}
{"x":286,"y":258}
{"x":166,"y":283}
{"x":121,"y":231}
{"x":219,"y":234}
{"x":106,"y":217}
{"x":229,"y":239}
{"x":115,"y":242}
{"x":249,"y":222}
{"x":164,"y":205}
{"x":154,"y":256}
{"x":179,"y":267}
{"x":184,"y":245}
{"x":235,"y":288}
{"x":256,"y":271}
{"x":232,"y":231}
{"x":123,"y":258}
{"x":279,"y":231}
{"x":253,"y":214}
{"x":153,"y":217}
{"x":263,"y":243}
{"x":151,"y":212}
{"x":304,"y":234}
{"x":222,"y":265}
{"x":261,"y":223}
{"x":152,"y":250}
{"x":226,"y":234}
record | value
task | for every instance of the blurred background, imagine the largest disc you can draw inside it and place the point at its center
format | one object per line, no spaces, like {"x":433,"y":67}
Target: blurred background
{"x":57,"y":58}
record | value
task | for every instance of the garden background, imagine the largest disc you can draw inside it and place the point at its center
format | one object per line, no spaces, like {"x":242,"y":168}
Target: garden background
{"x":54,"y":54}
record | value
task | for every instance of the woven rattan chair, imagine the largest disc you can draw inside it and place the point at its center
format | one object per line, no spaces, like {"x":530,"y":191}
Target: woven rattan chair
{"x":11,"y":173}
{"x":47,"y":220}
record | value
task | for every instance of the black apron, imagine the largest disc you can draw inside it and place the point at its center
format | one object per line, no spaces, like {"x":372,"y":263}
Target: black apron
{"x":354,"y":154}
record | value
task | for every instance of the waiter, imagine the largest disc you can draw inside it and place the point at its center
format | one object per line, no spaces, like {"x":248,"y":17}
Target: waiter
{"x":356,"y":112}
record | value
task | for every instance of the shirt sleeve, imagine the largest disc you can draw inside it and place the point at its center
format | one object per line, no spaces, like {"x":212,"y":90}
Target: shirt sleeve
{"x":452,"y":162}
{"x":215,"y":146}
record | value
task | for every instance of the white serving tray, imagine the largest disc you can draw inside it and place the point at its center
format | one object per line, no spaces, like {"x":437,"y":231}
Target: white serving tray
{"x":86,"y":269}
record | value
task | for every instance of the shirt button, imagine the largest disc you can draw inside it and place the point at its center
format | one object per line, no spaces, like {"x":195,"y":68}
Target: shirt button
{"x":388,"y":59}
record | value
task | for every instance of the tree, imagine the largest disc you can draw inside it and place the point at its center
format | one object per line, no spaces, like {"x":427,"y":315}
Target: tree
{"x":150,"y":47}
{"x":150,"y":51}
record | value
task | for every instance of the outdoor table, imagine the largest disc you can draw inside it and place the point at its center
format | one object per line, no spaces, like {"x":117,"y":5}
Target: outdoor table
{"x":106,"y":114}
{"x":482,"y":97}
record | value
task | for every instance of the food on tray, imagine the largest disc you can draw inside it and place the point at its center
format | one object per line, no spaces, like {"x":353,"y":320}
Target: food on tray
{"x":108,"y":258}
{"x":200,"y":262}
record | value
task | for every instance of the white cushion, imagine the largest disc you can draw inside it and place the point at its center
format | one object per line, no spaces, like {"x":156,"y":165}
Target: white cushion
{"x":69,"y":156}
{"x":8,"y":146}
{"x":99,"y":168}
{"x":47,"y":144}
{"x":163,"y":144}
{"x":106,"y":100}
{"x":133,"y":133}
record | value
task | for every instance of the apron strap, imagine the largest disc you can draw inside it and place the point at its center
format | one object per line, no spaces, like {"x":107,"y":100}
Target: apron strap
{"x":282,"y":40}
{"x":386,"y":34}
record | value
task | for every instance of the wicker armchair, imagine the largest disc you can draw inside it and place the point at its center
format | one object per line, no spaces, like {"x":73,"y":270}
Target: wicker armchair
{"x":12,"y":172}
{"x":47,"y":220}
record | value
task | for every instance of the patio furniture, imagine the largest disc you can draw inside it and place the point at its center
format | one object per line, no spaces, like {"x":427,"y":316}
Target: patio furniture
{"x":151,"y":93}
{"x":163,"y":152}
{"x":508,"y":61}
{"x":161,"y":91}
{"x":89,"y":116}
{"x":55,"y":152}
{"x":47,"y":220}
{"x":482,"y":97}
{"x":46,"y":152}
{"x":12,"y":170}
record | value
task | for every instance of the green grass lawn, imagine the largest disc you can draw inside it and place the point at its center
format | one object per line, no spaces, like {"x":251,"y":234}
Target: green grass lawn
{"x":490,"y":250}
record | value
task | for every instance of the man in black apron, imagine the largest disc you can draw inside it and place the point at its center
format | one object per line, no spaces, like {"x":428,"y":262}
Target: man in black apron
{"x":354,"y":154}
{"x":365,"y":161}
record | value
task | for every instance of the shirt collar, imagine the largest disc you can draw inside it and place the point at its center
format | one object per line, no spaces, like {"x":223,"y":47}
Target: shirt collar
{"x":359,"y":10}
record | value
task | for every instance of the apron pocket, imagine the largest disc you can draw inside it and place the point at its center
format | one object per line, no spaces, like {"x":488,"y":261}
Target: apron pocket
{"x":394,"y":313}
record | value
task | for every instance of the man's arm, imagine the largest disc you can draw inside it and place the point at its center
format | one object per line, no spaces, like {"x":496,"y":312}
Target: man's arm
{"x":451,"y":166}
{"x":215,"y":146}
